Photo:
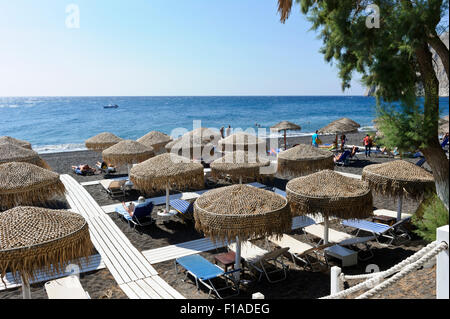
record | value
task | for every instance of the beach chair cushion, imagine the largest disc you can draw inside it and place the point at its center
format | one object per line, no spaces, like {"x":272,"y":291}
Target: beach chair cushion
{"x":116,"y":185}
{"x":390,"y":213}
{"x":200,"y":267}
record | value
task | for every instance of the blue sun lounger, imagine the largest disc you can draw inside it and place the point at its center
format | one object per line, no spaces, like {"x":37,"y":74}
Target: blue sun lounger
{"x":343,"y":160}
{"x":141,"y":216}
{"x":182,"y":206}
{"x":377,"y":229}
{"x":204,"y":271}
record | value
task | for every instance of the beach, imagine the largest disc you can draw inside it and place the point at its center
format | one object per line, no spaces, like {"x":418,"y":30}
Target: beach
{"x":299,"y":284}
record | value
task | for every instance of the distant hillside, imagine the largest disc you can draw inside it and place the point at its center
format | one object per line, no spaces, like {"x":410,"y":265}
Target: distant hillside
{"x":440,"y":72}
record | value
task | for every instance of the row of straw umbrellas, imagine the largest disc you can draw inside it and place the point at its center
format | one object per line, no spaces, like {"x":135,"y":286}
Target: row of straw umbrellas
{"x":34,"y":238}
{"x":237,"y":212}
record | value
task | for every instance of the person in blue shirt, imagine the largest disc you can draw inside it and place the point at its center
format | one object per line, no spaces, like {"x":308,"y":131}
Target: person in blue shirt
{"x":314,"y":139}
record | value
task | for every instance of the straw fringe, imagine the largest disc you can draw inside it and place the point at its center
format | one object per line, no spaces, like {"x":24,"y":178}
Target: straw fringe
{"x":121,"y":159}
{"x":52,"y":256}
{"x":252,"y":213}
{"x":190,"y":180}
{"x":295,"y":168}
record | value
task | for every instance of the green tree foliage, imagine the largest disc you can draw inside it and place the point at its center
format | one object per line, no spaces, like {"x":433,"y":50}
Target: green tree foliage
{"x":395,"y":58}
{"x":431,"y":215}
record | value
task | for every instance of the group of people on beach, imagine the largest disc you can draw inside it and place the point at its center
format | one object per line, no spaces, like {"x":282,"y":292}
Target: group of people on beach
{"x":367,"y":141}
{"x":228,"y":131}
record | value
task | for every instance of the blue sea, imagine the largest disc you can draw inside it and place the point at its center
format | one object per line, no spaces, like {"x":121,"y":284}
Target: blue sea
{"x":55,"y":124}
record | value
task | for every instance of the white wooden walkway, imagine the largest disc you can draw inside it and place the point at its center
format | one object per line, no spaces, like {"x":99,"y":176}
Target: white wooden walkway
{"x":127,"y":265}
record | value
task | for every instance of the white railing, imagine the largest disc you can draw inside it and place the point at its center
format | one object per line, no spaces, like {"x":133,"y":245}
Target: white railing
{"x":376,"y":282}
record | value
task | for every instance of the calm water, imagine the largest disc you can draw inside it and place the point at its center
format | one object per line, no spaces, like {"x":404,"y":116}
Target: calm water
{"x":63,"y":123}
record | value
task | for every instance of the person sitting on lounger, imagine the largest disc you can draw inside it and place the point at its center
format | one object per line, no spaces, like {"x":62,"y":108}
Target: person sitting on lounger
{"x":83,"y":169}
{"x":131,"y":207}
{"x":337,"y":157}
{"x":355,"y":149}
{"x":106,"y":167}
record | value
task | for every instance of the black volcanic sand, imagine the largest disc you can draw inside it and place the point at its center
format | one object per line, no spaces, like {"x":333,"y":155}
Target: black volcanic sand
{"x":300,"y":283}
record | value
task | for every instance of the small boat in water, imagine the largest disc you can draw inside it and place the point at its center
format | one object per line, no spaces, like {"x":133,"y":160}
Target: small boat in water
{"x":115,"y":106}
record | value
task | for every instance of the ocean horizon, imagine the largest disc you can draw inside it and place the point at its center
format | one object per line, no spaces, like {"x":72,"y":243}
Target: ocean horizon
{"x":59,"y":124}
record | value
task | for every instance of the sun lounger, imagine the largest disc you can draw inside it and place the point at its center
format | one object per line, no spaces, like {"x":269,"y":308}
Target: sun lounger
{"x":334,"y":236}
{"x":205,"y":272}
{"x":343,"y":159}
{"x":184,"y":208}
{"x":300,"y":251}
{"x":260,"y":260}
{"x":141,"y":216}
{"x":379,"y":230}
{"x":116,"y":189}
{"x":77,"y":170}
{"x":66,"y":288}
{"x":390,"y":213}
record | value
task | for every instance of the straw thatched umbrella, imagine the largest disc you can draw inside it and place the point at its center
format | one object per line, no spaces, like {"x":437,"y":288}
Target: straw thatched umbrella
{"x":15,"y":141}
{"x":443,"y":125}
{"x":102,"y":141}
{"x":398,"y":178}
{"x":167,"y":171}
{"x":12,"y":153}
{"x":303,"y":160}
{"x":341,"y":126}
{"x":331,"y":195}
{"x":241,"y":212}
{"x":194,"y":143}
{"x":155,"y":139}
{"x":34,"y":239}
{"x":127,"y":152}
{"x":285,"y":126}
{"x":238,"y":164}
{"x":27,"y":184}
{"x":244,"y":142}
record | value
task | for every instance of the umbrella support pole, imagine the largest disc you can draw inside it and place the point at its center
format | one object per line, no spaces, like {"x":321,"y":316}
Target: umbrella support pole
{"x":237,"y":265}
{"x":26,"y":292}
{"x":325,"y":231}
{"x":168,"y":211}
{"x":240,"y":179}
{"x":399,"y":206}
{"x":285,"y":143}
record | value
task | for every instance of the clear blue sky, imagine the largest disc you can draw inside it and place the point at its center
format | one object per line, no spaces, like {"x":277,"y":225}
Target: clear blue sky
{"x":160,"y":47}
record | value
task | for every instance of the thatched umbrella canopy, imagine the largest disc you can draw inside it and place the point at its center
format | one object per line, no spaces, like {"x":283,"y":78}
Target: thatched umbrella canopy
{"x":340,"y":126}
{"x":303,"y":160}
{"x":238,"y":164}
{"x":155,"y":139}
{"x":34,"y":239}
{"x":285,"y":126}
{"x":15,"y":141}
{"x":331,"y":195}
{"x":167,"y":171}
{"x":102,"y":141}
{"x":241,"y":212}
{"x":398,"y":178}
{"x":12,"y":153}
{"x":244,"y":142}
{"x":23,"y":184}
{"x":196,"y":144}
{"x":127,"y":152}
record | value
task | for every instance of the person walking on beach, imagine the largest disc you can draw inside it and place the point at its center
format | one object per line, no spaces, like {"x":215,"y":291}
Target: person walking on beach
{"x":315,"y":138}
{"x":228,"y":130}
{"x":368,"y":144}
{"x":222,"y":132}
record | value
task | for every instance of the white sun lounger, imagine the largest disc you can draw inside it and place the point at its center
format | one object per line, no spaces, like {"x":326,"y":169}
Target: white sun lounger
{"x":390,"y":213}
{"x":66,"y":288}
{"x":334,"y":236}
{"x":258,"y":259}
{"x":298,"y":250}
